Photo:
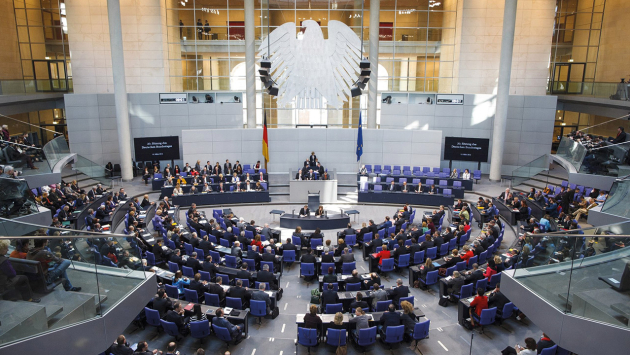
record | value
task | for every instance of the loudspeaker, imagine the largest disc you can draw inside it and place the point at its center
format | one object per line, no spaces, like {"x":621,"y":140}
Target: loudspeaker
{"x":273,"y":91}
{"x":356,"y":91}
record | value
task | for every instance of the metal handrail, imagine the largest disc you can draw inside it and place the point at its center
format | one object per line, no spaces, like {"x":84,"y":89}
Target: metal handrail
{"x":83,"y":233}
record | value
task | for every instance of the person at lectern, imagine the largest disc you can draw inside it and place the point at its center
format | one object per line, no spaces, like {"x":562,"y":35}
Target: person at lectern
{"x":304,"y":211}
{"x":312,"y":159}
{"x":320,"y":211}
{"x":227,"y":167}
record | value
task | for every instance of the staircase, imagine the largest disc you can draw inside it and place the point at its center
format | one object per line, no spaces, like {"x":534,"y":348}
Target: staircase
{"x":542,"y":179}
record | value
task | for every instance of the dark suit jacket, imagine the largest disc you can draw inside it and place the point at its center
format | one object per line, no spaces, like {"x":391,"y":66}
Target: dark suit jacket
{"x":329,"y":297}
{"x":361,"y":304}
{"x":393,"y":187}
{"x":306,"y":212}
{"x":194,"y":264}
{"x":390,"y":319}
{"x":239,"y":292}
{"x":308,"y":259}
{"x":497,"y":299}
{"x":216,"y":289}
{"x":117,"y":349}
{"x":474,"y":277}
{"x":267,"y":276}
{"x":398,"y":293}
{"x":199,"y":287}
{"x":179,"y":320}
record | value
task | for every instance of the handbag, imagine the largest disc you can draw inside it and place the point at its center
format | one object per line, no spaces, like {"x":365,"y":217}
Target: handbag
{"x":341,"y":350}
{"x":442,"y":271}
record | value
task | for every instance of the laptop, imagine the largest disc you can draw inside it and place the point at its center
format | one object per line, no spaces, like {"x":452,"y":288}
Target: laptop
{"x":620,"y":281}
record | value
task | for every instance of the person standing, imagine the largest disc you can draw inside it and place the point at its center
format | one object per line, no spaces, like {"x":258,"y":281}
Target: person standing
{"x":206,"y":29}
{"x":181,"y":29}
{"x":199,"y":29}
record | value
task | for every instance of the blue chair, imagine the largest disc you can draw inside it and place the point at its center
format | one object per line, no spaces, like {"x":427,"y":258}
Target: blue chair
{"x":336,"y":337}
{"x":418,"y":257}
{"x":365,"y":337}
{"x":315,"y":242}
{"x":230,"y":261}
{"x":381,"y":306}
{"x":403,"y":261}
{"x":481,"y":283}
{"x":212,"y":299}
{"x":432,"y":278}
{"x":188,"y":272}
{"x":408,"y":299}
{"x":225,"y":279}
{"x":393,"y":335}
{"x":200,"y":329}
{"x":173,"y":267}
{"x":335,"y":286}
{"x":465,"y":292}
{"x":269,"y":263}
{"x":233,"y":302}
{"x":334,"y":308}
{"x":471,"y":261}
{"x":494,"y":280}
{"x":224,"y":243}
{"x":368,"y":237}
{"x":482,"y":257}
{"x":387,"y":265}
{"x":200,"y":254}
{"x":324,"y":268}
{"x":353,"y":287}
{"x":150,"y":258}
{"x":170,"y":328}
{"x":351,"y":240}
{"x":171,"y":291}
{"x":346,"y":268}
{"x":258,"y":309}
{"x":507,"y":311}
{"x":205,"y":276}
{"x":443,"y":249}
{"x":257,"y":284}
{"x":191,"y":296}
{"x":222,"y":333}
{"x":251,"y":264}
{"x":477,"y":175}
{"x":550,"y":351}
{"x":244,"y":281}
{"x":307,"y":269}
{"x":307,"y":337}
{"x":461,"y":266}
{"x":432,"y":253}
{"x":288,"y":256}
{"x":153,"y":318}
{"x":488,"y":316}
{"x":450,"y":270}
{"x":421,"y":331}
{"x":188,"y":248}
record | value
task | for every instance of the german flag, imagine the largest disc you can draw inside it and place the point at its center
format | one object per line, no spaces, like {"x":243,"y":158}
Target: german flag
{"x":265,"y":140}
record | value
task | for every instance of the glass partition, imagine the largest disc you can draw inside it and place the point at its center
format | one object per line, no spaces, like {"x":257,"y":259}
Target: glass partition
{"x":92,"y":169}
{"x":16,"y":198}
{"x":601,"y":158}
{"x":106,"y":268}
{"x":572,"y":151}
{"x":585,"y":272}
{"x":56,"y":150}
{"x":534,"y":167}
{"x":618,"y":201}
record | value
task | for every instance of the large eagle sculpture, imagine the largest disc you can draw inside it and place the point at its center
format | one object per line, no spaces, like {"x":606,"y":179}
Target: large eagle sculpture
{"x":312,"y":68}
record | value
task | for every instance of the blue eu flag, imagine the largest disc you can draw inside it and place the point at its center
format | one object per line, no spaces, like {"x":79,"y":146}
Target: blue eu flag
{"x":360,"y":139}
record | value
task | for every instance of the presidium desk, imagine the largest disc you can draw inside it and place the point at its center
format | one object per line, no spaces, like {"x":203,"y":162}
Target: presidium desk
{"x":299,"y":189}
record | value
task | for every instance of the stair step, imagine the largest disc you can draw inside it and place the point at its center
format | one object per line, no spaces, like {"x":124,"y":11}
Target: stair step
{"x":52,"y":310}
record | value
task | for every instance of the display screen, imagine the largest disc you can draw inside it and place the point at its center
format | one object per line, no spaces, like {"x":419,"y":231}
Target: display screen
{"x":468,"y":149}
{"x":156,"y":148}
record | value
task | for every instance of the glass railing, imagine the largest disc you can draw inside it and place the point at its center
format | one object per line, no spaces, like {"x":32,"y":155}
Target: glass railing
{"x":16,"y":198}
{"x":612,"y":91}
{"x":56,"y":150}
{"x":527,"y":171}
{"x":585,"y":272}
{"x":93,"y":170}
{"x":106,"y":268}
{"x":12,"y":87}
{"x":618,"y":201}
{"x":609,"y":159}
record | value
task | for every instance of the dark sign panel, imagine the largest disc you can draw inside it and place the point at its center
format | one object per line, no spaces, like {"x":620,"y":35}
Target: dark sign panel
{"x":468,"y":149}
{"x":156,"y":148}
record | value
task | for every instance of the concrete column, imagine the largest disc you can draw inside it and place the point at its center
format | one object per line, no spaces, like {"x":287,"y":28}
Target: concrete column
{"x":250,"y":63}
{"x":120,"y":88}
{"x":375,"y":9}
{"x":503,"y":90}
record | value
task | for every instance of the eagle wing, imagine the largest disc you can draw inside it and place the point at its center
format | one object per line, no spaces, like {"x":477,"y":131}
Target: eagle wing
{"x":343,"y":53}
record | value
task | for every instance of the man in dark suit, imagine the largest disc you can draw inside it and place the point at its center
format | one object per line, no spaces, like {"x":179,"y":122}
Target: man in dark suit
{"x":497,"y":299}
{"x":348,"y":231}
{"x":120,"y":347}
{"x":621,"y":136}
{"x":162,"y":303}
{"x":320,"y":169}
{"x":454,"y":285}
{"x":265,"y":275}
{"x":414,"y":247}
{"x":176,"y":315}
{"x":304,"y":211}
{"x":200,"y":286}
{"x":348,"y":257}
{"x":261,"y":295}
{"x":205,"y":245}
{"x":241,"y":292}
{"x":329,"y":296}
{"x":308,"y":257}
{"x":437,"y":240}
{"x":210,"y":266}
{"x":194,"y":263}
{"x":227,"y":168}
{"x":389,"y":318}
{"x":310,"y":175}
{"x":176,"y":258}
{"x":392,"y":186}
{"x":354,"y":278}
{"x":216,"y":289}
{"x":359,"y":302}
{"x":398,"y":292}
{"x":428,"y":243}
{"x":243,"y":274}
{"x":289,"y":246}
{"x":452,"y":260}
{"x":235,"y":330}
{"x":474,"y":275}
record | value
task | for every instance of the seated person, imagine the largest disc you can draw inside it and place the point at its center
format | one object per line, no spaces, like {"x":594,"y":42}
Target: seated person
{"x":235,"y":330}
{"x":478,"y":304}
{"x":304,"y":211}
{"x":391,"y":318}
{"x":176,"y":315}
{"x":53,"y":266}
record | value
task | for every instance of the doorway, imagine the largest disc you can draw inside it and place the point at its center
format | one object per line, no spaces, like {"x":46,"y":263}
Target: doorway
{"x":568,"y":78}
{"x":50,"y":75}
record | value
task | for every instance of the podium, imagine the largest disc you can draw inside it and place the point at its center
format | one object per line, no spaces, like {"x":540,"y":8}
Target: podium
{"x":313,"y":201}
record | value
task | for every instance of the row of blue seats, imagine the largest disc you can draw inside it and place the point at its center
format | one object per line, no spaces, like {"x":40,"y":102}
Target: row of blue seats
{"x":409,"y":171}
{"x":185,"y":174}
